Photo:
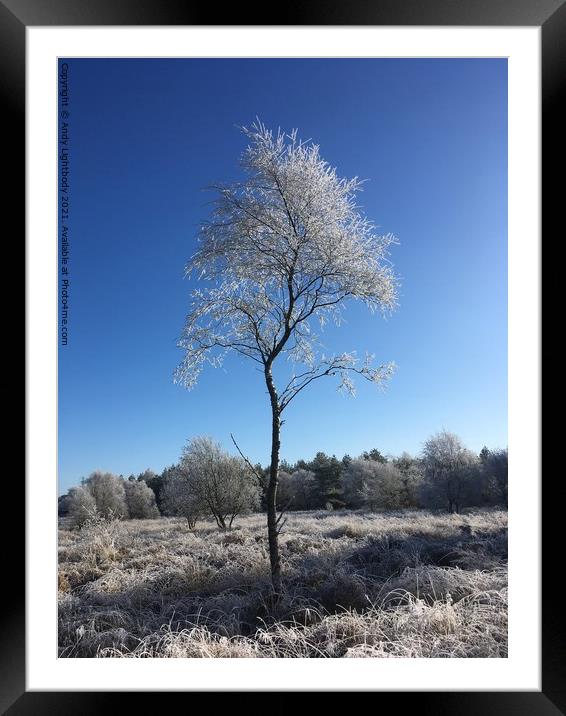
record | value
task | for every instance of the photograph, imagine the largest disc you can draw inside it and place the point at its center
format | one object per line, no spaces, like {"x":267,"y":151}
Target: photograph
{"x":282,"y":357}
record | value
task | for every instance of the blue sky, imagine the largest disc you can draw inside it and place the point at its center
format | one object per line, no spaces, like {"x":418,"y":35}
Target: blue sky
{"x":148,"y":135}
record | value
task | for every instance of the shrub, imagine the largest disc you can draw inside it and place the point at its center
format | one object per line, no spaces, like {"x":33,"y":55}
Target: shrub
{"x":81,"y":506}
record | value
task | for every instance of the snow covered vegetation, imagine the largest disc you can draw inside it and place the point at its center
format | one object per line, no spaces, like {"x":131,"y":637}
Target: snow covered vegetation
{"x":406,"y":583}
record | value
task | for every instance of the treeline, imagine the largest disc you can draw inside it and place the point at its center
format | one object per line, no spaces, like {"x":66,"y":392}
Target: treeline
{"x":209,"y":482}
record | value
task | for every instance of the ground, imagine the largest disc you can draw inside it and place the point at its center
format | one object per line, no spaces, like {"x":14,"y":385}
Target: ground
{"x":398,"y":584}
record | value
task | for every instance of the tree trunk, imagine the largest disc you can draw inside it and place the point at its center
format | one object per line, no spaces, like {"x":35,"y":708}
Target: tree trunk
{"x":219,"y":521}
{"x":271,"y":495}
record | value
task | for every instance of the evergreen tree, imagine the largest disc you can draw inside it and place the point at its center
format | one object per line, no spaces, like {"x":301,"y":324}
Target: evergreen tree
{"x":374,"y":455}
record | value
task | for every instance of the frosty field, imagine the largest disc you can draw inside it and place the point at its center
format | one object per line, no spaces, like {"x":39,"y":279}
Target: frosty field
{"x":402,"y":584}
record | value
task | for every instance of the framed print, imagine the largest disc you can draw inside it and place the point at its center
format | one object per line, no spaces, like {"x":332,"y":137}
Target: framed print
{"x":260,"y":214}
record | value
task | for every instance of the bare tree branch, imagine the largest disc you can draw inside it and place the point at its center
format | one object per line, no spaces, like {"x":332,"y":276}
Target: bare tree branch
{"x":259,"y":477}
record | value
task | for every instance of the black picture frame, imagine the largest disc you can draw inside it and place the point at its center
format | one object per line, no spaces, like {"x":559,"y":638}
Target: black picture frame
{"x":15,"y":16}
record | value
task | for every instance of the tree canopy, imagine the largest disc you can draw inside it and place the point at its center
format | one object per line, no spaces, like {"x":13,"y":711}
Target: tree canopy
{"x":285,"y":245}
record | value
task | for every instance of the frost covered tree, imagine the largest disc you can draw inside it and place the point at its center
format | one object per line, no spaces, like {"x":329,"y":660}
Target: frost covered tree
{"x":304,"y":487}
{"x":356,"y":473}
{"x":451,"y":472}
{"x":284,"y":247}
{"x":140,"y":500}
{"x":373,"y":484}
{"x":385,"y":490}
{"x":296,"y":490}
{"x":411,"y":470}
{"x":178,"y":498}
{"x":109,"y":494}
{"x":216,"y":482}
{"x":285,"y":490}
{"x":81,"y":506}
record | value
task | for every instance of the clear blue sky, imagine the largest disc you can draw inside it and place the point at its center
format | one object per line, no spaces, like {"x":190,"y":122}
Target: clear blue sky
{"x":148,"y":135}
